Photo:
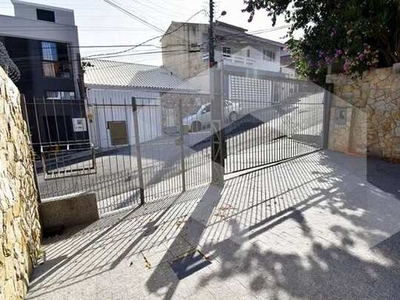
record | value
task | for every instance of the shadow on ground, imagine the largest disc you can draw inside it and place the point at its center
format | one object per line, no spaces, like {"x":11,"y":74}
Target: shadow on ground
{"x":311,"y":228}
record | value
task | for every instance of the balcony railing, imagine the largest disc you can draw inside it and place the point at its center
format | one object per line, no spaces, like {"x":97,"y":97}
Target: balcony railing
{"x":237,"y":59}
{"x":243,"y":61}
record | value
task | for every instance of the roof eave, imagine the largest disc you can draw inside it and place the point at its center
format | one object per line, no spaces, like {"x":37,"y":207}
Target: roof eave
{"x":130,"y":87}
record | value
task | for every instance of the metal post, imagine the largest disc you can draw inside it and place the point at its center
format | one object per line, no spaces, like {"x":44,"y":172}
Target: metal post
{"x":211,"y":45}
{"x":217,"y":146}
{"x":181,"y":130}
{"x":327,"y":114}
{"x":138,"y":153}
{"x":217,"y":153}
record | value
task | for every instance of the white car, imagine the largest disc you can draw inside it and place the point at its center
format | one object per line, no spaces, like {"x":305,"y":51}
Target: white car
{"x":201,"y":115}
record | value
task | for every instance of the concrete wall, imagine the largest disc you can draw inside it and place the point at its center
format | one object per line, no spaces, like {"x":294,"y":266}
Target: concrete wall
{"x":27,"y":10}
{"x":20,"y":228}
{"x":69,"y":211}
{"x":365,"y":116}
{"x":177,"y":58}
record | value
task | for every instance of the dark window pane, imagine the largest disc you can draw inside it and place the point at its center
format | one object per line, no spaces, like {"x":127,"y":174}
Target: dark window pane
{"x":226,"y":50}
{"x":45,"y":15}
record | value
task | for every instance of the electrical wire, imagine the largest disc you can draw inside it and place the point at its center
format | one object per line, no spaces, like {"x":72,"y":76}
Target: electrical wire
{"x":127,"y":12}
{"x":28,"y":64}
{"x":149,"y":40}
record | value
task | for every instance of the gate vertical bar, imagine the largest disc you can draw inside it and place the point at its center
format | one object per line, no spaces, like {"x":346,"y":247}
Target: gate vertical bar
{"x":138,"y":153}
{"x":217,"y":130}
{"x":181,"y":131}
{"x":327,"y":114}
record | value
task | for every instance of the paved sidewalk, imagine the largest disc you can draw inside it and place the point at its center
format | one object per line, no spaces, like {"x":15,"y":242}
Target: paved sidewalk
{"x":311,"y":228}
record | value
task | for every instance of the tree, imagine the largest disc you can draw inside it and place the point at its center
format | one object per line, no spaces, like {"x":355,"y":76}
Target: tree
{"x":356,"y":34}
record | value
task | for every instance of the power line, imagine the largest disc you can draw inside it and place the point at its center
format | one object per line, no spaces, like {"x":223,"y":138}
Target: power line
{"x":29,"y":28}
{"x":39,"y":58}
{"x":162,"y":11}
{"x":149,"y":40}
{"x":141,"y":20}
{"x":39,"y":66}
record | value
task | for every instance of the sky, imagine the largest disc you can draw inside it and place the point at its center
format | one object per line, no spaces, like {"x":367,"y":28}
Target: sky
{"x":99,"y":23}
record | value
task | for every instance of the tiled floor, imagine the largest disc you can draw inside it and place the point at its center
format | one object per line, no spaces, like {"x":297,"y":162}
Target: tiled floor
{"x":311,"y":228}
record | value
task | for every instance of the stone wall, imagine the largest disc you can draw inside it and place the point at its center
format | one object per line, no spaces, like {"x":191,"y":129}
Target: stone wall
{"x":365,"y":115}
{"x":20,"y":228}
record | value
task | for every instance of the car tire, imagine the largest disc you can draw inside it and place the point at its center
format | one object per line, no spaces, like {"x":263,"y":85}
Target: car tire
{"x":233,"y":117}
{"x":196,"y":126}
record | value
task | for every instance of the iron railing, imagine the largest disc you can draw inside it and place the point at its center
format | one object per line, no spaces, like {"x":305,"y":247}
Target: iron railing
{"x":134,"y":150}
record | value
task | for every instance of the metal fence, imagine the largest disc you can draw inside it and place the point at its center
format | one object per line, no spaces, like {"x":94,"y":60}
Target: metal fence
{"x":112,"y":151}
{"x":275,"y":119}
{"x":274,"y":133}
{"x":129,"y":151}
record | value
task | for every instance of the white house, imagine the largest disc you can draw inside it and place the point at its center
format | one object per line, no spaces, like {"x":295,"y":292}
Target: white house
{"x":111,"y":86}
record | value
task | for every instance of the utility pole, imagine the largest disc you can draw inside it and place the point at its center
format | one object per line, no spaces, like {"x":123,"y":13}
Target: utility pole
{"x":211,"y":45}
{"x":217,"y":143}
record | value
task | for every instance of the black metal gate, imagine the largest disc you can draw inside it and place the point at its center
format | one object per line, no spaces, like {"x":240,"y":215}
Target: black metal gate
{"x":271,"y":119}
{"x":120,"y":151}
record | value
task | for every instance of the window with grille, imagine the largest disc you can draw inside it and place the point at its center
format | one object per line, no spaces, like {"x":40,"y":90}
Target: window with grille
{"x":55,"y":60}
{"x":60,"y":95}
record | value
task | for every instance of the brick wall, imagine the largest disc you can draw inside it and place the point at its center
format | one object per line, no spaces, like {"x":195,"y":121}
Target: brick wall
{"x":20,"y":228}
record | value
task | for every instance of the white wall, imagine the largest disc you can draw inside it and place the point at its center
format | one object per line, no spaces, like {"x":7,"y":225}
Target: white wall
{"x":116,"y":105}
{"x":26,"y":10}
{"x":289,"y":72}
{"x":256,"y":53}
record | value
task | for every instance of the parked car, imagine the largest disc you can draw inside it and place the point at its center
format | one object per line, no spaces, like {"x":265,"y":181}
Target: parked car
{"x":201,"y":115}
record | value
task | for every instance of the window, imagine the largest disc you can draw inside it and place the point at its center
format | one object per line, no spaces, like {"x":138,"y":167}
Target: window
{"x":60,"y":95}
{"x":226,"y":50}
{"x":49,"y":51}
{"x":45,"y":15}
{"x":207,"y":108}
{"x":55,"y":60}
{"x":269,"y":55}
{"x":248,"y":52}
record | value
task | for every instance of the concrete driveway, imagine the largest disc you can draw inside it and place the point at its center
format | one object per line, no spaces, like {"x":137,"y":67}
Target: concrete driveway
{"x":316,"y":227}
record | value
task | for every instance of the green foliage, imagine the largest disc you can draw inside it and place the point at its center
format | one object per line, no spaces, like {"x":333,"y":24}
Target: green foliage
{"x":355,"y":35}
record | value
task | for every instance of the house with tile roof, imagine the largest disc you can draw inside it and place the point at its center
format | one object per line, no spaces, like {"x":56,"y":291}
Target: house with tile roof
{"x":111,"y":87}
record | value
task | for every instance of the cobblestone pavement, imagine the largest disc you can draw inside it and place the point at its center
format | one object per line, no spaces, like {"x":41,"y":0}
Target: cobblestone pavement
{"x":311,"y":228}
